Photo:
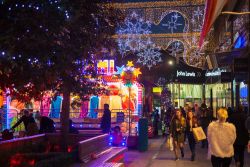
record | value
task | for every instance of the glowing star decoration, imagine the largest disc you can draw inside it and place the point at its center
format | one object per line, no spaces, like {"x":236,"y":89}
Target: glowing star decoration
{"x":129,"y":75}
{"x":137,"y":72}
{"x":132,"y":35}
{"x":119,"y":69}
{"x":149,"y":57}
{"x":130,"y":64}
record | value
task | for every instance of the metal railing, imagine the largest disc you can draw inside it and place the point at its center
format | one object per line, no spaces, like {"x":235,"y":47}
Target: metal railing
{"x":14,"y":115}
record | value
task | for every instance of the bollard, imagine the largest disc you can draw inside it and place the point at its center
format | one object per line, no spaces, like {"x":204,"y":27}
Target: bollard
{"x":143,"y":135}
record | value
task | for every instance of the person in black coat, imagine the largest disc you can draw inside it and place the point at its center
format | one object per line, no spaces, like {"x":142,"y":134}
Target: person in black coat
{"x":27,"y":119}
{"x":47,"y":125}
{"x":238,"y":119}
{"x":106,"y":119}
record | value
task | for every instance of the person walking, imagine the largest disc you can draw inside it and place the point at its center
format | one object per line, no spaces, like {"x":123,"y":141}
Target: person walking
{"x":205,"y":119}
{"x":221,"y":137}
{"x":238,"y":119}
{"x":177,"y":131}
{"x":192,"y":122}
{"x":106,"y":119}
{"x":156,"y":118}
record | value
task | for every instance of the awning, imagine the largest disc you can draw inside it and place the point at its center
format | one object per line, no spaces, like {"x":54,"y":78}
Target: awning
{"x":212,"y":11}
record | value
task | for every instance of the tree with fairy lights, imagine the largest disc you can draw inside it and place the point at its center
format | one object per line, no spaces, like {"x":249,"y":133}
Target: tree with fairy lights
{"x":51,"y":45}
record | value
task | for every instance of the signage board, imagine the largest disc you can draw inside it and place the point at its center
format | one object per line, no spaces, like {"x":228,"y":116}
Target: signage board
{"x":215,"y":72}
{"x":226,"y":77}
{"x":189,"y":75}
{"x":119,"y":117}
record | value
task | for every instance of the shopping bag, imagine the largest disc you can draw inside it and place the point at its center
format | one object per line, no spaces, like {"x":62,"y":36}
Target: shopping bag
{"x":199,"y":134}
{"x":170,"y":144}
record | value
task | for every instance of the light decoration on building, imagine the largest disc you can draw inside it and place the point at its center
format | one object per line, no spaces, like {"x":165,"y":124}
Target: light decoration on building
{"x":173,"y":23}
{"x":132,"y":35}
{"x":194,"y":55}
{"x":197,"y":19}
{"x":176,"y":48}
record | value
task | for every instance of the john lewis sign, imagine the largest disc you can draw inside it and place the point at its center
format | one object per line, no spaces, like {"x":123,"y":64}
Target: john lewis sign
{"x":185,"y":74}
{"x":189,"y":75}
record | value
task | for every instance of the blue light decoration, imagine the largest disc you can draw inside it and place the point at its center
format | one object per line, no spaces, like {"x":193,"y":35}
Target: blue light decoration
{"x":119,"y":69}
{"x":243,"y":92}
{"x":123,"y":142}
{"x":36,"y":7}
{"x":241,"y":42}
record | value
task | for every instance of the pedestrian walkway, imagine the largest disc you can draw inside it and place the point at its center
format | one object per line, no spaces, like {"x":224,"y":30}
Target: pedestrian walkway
{"x":159,"y":156}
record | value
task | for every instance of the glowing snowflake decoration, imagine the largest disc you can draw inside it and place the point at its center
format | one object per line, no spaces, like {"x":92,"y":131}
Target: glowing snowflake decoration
{"x":161,"y":82}
{"x":197,"y":19}
{"x":173,"y":23}
{"x":198,"y":13}
{"x":175,"y":48}
{"x":195,"y":56}
{"x":132,"y":35}
{"x":149,"y":57}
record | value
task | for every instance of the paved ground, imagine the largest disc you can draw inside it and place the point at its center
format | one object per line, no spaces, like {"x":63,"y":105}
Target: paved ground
{"x":159,"y":156}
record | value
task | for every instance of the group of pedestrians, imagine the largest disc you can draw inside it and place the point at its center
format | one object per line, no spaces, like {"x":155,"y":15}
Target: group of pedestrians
{"x":39,"y":124}
{"x":227,"y":136}
{"x":46,"y":125}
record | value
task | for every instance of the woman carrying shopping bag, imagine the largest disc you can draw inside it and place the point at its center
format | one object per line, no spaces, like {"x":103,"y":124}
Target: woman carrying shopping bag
{"x":177,"y":131}
{"x":192,"y":122}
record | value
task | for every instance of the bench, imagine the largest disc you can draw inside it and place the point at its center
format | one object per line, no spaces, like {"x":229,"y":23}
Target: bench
{"x":97,"y":152}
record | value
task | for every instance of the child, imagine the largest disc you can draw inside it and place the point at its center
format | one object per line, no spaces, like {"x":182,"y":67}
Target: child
{"x":117,"y":136}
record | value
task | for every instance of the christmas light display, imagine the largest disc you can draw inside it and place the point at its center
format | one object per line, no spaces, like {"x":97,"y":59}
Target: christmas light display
{"x":166,"y":97}
{"x":174,"y":22}
{"x":132,"y":35}
{"x":129,"y":74}
{"x":176,"y":48}
{"x":149,"y":57}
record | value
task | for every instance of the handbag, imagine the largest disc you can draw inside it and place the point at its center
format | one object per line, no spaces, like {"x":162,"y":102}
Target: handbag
{"x":170,"y":145}
{"x":199,"y":134}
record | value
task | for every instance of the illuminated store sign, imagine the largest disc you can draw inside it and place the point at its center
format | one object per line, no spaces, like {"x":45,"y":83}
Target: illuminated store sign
{"x":185,"y":74}
{"x":215,"y":72}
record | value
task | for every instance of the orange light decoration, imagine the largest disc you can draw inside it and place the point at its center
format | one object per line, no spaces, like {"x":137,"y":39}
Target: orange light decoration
{"x":130,"y":74}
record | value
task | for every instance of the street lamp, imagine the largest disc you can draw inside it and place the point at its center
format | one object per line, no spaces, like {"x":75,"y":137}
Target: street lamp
{"x":170,"y":62}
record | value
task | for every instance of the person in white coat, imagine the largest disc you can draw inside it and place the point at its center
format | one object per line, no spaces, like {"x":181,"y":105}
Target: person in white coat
{"x":221,"y":137}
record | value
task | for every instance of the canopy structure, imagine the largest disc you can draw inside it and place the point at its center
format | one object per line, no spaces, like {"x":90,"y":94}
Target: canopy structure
{"x":213,"y":11}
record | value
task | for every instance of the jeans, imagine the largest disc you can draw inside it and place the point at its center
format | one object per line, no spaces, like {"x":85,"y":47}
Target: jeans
{"x":239,"y":154}
{"x":191,"y":142}
{"x":220,"y":162}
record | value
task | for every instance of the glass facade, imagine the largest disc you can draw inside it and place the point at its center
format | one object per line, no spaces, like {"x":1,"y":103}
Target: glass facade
{"x":221,"y":95}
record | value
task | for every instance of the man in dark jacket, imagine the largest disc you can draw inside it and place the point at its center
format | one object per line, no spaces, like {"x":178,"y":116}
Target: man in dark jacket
{"x":238,"y":119}
{"x":106,"y":119}
{"x":47,"y":125}
{"x":27,"y":119}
